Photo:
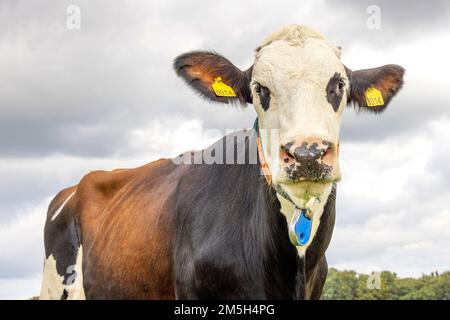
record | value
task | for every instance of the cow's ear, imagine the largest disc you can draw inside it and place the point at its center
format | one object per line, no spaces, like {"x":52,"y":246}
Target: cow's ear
{"x":214,"y":77}
{"x":373,"y":89}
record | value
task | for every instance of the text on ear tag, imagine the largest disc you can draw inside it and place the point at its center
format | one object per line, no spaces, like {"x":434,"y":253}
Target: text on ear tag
{"x":221,"y":89}
{"x":374,"y":98}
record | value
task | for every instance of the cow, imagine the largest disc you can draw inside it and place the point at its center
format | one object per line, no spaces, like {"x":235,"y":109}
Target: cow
{"x":249,"y":217}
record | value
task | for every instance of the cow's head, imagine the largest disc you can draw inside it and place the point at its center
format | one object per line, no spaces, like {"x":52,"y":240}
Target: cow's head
{"x":299,"y":88}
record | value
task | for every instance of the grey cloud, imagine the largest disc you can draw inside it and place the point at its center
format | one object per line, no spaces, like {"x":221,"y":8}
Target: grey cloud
{"x":20,"y":188}
{"x":401,"y":21}
{"x":402,"y":118}
{"x":78,"y":92}
{"x":371,"y":230}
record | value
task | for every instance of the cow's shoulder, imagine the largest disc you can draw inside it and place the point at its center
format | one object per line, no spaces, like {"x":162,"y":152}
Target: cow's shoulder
{"x":100,"y":185}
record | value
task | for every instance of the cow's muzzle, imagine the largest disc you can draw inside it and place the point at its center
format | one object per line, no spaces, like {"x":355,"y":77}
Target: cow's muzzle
{"x":309,"y":159}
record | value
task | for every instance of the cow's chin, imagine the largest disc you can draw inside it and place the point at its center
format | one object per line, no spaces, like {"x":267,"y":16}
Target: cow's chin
{"x":301,"y":192}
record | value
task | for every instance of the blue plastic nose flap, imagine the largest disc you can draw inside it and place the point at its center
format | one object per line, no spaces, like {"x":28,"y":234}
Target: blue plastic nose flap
{"x":302,"y":228}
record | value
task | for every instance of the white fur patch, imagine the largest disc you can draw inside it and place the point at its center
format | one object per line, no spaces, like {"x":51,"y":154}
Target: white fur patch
{"x":75,"y":287}
{"x":61,"y":207}
{"x":287,"y":209}
{"x":52,"y":283}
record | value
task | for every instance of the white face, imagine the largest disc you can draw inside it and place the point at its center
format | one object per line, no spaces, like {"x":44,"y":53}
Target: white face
{"x":299,"y":93}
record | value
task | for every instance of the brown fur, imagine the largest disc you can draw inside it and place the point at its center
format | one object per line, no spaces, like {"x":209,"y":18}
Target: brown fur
{"x":126,"y":230}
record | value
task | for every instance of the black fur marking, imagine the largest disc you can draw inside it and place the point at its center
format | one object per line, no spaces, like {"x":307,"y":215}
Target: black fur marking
{"x":335,"y":91}
{"x":288,"y":146}
{"x":62,"y":240}
{"x":264,"y":96}
{"x":64,"y":295}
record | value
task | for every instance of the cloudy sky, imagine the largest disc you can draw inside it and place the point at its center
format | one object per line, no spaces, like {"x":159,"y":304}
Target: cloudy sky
{"x":105,"y":96}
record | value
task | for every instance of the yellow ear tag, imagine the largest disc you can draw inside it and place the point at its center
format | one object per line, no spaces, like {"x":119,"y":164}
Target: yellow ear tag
{"x":221,"y":89}
{"x":374,"y":98}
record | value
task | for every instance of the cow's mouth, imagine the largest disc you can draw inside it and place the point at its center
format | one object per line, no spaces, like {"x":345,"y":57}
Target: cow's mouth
{"x":301,"y":191}
{"x":295,"y":177}
{"x":305,"y":183}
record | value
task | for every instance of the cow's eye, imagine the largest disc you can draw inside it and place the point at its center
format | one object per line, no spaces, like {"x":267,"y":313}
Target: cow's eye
{"x":264,"y":96}
{"x":341,"y":84}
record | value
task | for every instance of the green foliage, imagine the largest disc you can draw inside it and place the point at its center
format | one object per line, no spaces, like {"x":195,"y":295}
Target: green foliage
{"x":386,"y":285}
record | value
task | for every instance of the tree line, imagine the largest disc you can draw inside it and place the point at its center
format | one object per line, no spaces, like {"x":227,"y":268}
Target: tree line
{"x":385,"y":285}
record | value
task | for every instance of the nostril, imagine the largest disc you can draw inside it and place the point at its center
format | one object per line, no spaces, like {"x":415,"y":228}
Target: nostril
{"x":286,"y":154}
{"x":287,"y":147}
{"x":327,"y":155}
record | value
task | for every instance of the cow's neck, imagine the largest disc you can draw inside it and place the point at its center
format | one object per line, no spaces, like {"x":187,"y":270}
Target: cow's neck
{"x":316,"y":211}
{"x":288,"y":208}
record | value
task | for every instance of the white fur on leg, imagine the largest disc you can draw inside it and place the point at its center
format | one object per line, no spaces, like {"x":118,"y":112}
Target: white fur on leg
{"x":74,"y":288}
{"x":52,"y":282}
{"x":53,"y":287}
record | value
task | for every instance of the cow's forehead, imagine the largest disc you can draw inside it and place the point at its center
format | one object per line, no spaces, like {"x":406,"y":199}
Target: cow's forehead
{"x":314,"y":59}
